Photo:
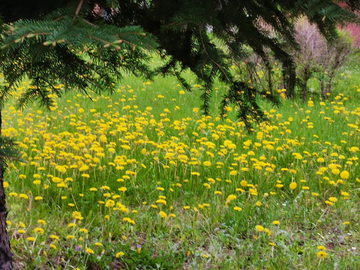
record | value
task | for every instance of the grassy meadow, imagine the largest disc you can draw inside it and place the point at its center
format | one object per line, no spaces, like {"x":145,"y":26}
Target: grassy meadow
{"x":142,"y":180}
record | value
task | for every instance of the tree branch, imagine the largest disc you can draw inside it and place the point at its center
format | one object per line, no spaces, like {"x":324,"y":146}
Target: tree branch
{"x":78,"y":9}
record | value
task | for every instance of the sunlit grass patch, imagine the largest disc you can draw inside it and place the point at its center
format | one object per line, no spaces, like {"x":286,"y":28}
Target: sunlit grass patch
{"x":143,"y":178}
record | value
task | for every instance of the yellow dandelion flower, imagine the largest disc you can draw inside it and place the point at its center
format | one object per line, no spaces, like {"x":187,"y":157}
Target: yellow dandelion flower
{"x":231,"y":197}
{"x":161,"y":201}
{"x":119,"y":254}
{"x":207,"y":185}
{"x":259,"y":228}
{"x":207,"y":163}
{"x":293,"y":185}
{"x":163,"y":214}
{"x":39,"y":230}
{"x":129,"y":220}
{"x":89,"y":250}
{"x":56,"y":179}
{"x":55,"y":237}
{"x":344,"y":174}
{"x":233,"y":173}
{"x":321,"y":254}
{"x":109,"y":203}
{"x":77,"y":215}
{"x":41,"y":221}
{"x":329,"y":203}
{"x":61,"y":169}
{"x":83,"y":230}
{"x":24,"y":196}
{"x":83,"y":168}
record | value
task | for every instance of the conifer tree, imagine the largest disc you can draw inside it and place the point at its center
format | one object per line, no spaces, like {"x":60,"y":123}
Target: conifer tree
{"x":91,"y":44}
{"x":113,"y":33}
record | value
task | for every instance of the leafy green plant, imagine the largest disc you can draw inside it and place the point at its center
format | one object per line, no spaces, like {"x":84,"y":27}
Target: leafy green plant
{"x":144,"y":258}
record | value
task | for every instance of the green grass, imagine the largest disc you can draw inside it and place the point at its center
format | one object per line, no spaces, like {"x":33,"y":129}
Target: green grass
{"x":162,"y":176}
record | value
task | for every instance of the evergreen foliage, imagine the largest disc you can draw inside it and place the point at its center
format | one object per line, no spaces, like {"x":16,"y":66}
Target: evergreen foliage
{"x":70,"y":42}
{"x":71,"y":51}
{"x":8,"y":151}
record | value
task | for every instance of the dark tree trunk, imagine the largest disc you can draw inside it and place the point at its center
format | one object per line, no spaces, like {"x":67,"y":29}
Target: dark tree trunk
{"x":5,"y":250}
{"x":331,"y":78}
{"x":304,"y":87}
{"x":304,"y":92}
{"x":289,"y":78}
{"x":249,"y":69}
{"x":323,"y":88}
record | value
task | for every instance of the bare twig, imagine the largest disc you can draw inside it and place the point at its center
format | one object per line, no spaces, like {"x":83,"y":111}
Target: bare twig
{"x":78,"y":8}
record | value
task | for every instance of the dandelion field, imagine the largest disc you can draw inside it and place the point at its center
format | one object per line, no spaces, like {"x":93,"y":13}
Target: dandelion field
{"x":142,"y":180}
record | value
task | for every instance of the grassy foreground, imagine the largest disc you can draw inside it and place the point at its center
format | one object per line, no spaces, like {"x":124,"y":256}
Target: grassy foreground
{"x":141,"y":180}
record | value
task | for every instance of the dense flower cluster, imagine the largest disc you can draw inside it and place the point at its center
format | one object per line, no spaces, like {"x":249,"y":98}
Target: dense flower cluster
{"x":117,"y":164}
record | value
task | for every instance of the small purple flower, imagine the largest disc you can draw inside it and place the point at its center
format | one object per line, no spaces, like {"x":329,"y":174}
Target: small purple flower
{"x":138,"y":246}
{"x":77,"y":248}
